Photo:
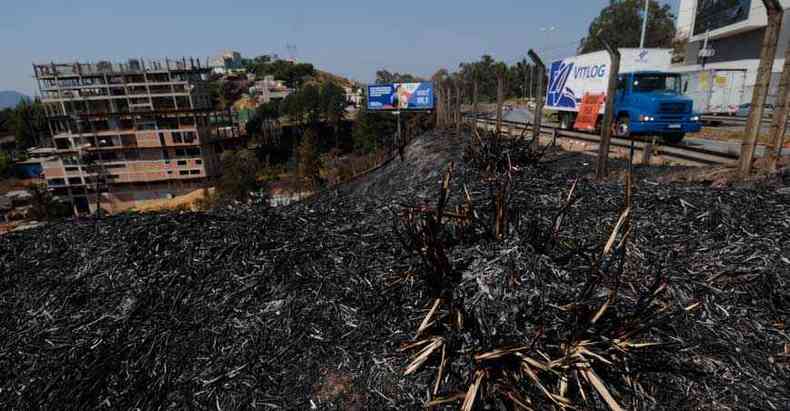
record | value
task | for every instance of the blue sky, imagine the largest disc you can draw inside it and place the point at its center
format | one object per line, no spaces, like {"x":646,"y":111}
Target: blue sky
{"x":353,"y":38}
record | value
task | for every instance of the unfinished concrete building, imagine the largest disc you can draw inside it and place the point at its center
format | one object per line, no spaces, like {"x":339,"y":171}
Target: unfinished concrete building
{"x":131,"y":132}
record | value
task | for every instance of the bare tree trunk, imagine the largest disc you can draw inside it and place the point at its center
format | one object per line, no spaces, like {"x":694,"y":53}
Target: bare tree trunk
{"x":458,"y":107}
{"x":537,"y":121}
{"x":602,"y":169}
{"x":500,"y":99}
{"x":449,"y":112}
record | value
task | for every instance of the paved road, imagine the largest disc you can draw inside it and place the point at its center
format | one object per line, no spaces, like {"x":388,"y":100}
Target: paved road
{"x":523,"y":115}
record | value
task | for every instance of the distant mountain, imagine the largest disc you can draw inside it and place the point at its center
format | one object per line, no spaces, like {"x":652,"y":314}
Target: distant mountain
{"x":11,"y":98}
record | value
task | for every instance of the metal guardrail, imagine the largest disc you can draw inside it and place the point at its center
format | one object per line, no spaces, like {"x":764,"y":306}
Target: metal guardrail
{"x":675,"y":151}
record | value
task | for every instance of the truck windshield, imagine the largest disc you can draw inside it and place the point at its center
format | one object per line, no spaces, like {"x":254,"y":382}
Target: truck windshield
{"x":657,"y":82}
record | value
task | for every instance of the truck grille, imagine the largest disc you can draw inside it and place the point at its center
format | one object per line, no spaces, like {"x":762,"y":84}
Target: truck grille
{"x":674,"y":108}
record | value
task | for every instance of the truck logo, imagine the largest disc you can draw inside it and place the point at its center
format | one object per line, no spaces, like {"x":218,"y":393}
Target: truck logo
{"x":558,"y":95}
{"x":642,"y":56}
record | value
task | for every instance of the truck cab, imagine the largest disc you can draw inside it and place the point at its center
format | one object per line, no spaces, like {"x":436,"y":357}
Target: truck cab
{"x":651,"y":103}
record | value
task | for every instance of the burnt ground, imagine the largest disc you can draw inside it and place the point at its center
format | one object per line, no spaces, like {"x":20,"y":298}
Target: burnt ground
{"x":309,"y":306}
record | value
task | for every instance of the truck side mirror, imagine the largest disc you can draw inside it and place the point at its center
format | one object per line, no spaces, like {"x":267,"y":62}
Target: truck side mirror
{"x":685,"y":86}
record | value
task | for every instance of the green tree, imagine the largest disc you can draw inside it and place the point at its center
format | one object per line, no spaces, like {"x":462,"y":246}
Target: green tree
{"x":44,"y":206}
{"x":239,"y":175}
{"x":333,"y":106}
{"x":5,"y":164}
{"x":233,"y":90}
{"x":29,"y":122}
{"x":371,"y":129}
{"x":293,"y":74}
{"x":308,"y":169}
{"x":385,"y":77}
{"x":293,"y":107}
{"x":485,"y":71}
{"x":620,"y":24}
{"x":216,"y":95}
{"x":311,"y":101}
{"x":263,"y":121}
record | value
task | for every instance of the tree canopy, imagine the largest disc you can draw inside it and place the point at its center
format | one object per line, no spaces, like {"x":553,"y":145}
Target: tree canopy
{"x":519,"y":77}
{"x":239,"y":175}
{"x":292,"y":74}
{"x":620,"y":24}
{"x":311,"y":104}
{"x":385,"y":77}
{"x":29,"y":123}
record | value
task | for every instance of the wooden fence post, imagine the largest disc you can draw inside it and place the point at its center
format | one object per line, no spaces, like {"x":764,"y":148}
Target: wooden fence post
{"x":602,"y":169}
{"x":760,"y":93}
{"x":537,"y":122}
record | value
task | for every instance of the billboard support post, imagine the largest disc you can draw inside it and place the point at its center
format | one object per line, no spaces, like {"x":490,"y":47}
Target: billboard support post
{"x":398,"y":136}
{"x":602,"y":168}
{"x":540,"y":70}
{"x":398,"y":97}
{"x":767,"y":55}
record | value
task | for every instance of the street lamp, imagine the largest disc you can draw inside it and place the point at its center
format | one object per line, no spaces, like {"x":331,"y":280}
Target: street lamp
{"x":644,"y":24}
{"x":547,"y":31}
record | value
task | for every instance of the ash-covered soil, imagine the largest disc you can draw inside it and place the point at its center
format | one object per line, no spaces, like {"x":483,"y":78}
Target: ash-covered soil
{"x":311,"y":306}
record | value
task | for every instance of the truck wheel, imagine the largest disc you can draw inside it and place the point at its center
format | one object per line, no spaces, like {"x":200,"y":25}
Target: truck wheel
{"x":674,"y":138}
{"x":566,"y":121}
{"x":622,"y":127}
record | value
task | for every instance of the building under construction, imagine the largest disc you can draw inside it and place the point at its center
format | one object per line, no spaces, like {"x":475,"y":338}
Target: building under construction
{"x":131,"y":132}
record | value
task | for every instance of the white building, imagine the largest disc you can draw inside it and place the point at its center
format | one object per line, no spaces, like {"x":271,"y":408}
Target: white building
{"x":353,"y":96}
{"x":269,"y":89}
{"x":734,"y":32}
{"x":227,"y":62}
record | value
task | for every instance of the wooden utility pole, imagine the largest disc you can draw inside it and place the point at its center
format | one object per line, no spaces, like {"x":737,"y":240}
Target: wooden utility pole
{"x":760,"y":93}
{"x":448,"y":90}
{"x":437,"y":90}
{"x":540,"y":69}
{"x":602,"y":169}
{"x":779,"y":124}
{"x":500,"y":97}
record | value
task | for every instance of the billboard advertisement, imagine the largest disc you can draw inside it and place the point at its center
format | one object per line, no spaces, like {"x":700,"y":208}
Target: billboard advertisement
{"x":401,"y":96}
{"x":715,"y":14}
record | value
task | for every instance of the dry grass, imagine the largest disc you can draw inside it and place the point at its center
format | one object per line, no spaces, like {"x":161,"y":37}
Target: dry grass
{"x":187,"y":201}
{"x":12,"y":184}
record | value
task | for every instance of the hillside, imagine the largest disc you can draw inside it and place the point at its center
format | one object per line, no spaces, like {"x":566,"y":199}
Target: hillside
{"x":10,"y":99}
{"x":325,"y":76}
{"x":329,"y":303}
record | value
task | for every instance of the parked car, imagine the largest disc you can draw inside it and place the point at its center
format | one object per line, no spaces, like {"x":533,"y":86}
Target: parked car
{"x":743,"y":110}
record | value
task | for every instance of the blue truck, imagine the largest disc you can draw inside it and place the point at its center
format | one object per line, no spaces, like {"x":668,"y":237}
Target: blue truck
{"x":648,"y":100}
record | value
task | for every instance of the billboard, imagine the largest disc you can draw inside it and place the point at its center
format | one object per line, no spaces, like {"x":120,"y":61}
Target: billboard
{"x":715,"y":14}
{"x":401,"y":96}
